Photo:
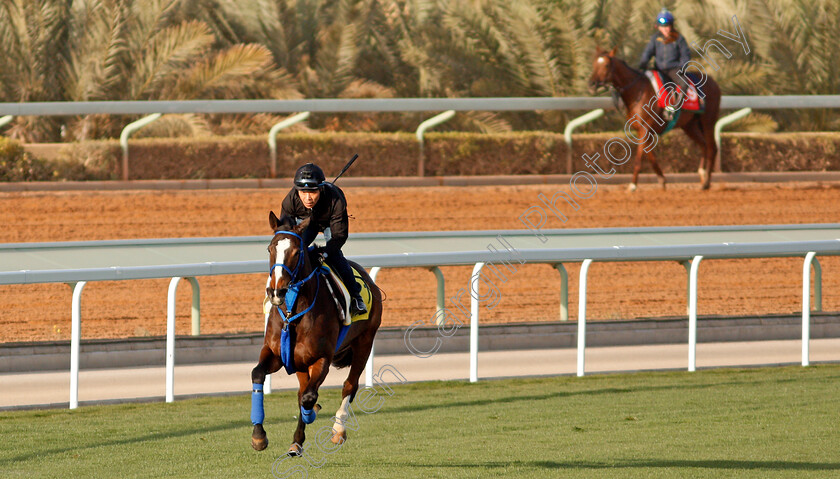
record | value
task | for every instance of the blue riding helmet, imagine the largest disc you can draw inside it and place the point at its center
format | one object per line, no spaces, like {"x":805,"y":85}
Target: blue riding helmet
{"x":664,"y":18}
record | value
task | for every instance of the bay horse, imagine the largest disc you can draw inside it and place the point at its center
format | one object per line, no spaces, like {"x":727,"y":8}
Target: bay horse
{"x":641,"y":100}
{"x":312,"y":323}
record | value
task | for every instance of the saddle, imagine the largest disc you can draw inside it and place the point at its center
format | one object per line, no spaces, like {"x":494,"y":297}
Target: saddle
{"x":341,"y":296}
{"x":691,"y":100}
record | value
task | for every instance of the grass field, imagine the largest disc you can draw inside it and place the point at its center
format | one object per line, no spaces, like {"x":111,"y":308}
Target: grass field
{"x":770,"y":422}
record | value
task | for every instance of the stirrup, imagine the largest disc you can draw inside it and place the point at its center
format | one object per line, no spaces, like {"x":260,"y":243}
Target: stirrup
{"x":357,"y":306}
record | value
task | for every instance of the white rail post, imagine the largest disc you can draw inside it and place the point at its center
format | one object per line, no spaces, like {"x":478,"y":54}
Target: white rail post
{"x":369,"y":365}
{"x":692,"y":313}
{"x":170,"y":339}
{"x":267,"y":383}
{"x":195,"y":310}
{"x":421,"y":130}
{"x":441,"y":293}
{"x":75,"y":340}
{"x":806,"y":308}
{"x":564,"y":291}
{"x":817,"y":284}
{"x":127,"y":132}
{"x":570,"y":128}
{"x":474,"y":322}
{"x":731,"y":118}
{"x":272,"y":138}
{"x":581,"y":339}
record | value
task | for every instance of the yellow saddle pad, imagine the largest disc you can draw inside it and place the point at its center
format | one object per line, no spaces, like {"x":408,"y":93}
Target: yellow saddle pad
{"x":367,"y":297}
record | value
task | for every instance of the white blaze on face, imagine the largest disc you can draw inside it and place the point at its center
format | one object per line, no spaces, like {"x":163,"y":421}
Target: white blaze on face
{"x":280,"y":248}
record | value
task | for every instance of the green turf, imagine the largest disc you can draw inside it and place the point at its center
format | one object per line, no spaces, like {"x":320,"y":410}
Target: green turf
{"x":771,"y":422}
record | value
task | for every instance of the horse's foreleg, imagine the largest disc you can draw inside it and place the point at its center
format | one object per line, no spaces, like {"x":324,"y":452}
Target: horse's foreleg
{"x":309,"y":382}
{"x":711,"y":151}
{"x":657,"y":169}
{"x":637,"y":167}
{"x":317,"y":373}
{"x":268,"y":364}
{"x":300,"y":431}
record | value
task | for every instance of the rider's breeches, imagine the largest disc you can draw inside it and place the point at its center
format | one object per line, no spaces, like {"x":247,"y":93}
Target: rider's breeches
{"x":672,"y":74}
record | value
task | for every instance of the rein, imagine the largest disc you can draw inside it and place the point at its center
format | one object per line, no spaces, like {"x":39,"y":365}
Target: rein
{"x":625,"y":87}
{"x":293,"y":290}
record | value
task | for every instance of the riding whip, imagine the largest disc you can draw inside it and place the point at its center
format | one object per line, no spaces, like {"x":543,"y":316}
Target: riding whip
{"x":346,"y":167}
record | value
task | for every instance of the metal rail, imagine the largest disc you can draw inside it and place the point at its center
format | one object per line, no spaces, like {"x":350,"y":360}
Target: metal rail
{"x":174,"y":258}
{"x":335,"y":105}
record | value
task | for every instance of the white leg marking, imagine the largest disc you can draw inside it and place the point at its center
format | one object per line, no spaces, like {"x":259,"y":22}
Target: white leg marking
{"x":341,"y":415}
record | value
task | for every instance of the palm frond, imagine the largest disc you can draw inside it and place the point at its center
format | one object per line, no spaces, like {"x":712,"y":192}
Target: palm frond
{"x":228,"y":74}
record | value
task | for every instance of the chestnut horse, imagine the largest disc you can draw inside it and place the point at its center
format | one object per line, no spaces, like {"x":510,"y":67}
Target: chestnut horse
{"x":647,"y":119}
{"x":312,"y":323}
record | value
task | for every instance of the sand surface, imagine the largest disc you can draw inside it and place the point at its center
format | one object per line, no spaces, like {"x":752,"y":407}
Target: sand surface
{"x":233,"y":303}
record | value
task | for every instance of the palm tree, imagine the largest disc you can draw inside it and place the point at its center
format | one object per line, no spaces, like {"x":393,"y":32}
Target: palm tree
{"x":33,"y":34}
{"x":123,"y":50}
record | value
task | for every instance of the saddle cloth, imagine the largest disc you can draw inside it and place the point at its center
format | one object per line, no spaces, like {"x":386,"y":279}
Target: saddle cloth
{"x":367,"y":297}
{"x":691,"y":101}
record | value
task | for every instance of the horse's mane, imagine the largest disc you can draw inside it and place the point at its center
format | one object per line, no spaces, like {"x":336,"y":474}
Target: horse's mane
{"x":636,"y":72}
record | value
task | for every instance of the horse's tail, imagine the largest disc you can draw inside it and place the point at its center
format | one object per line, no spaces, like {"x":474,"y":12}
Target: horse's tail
{"x":342,"y":359}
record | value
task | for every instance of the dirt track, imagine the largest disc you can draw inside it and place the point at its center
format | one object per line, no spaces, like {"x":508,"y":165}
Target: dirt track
{"x":233,"y":303}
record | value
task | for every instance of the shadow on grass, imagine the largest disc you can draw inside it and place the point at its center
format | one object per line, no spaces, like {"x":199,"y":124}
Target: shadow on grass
{"x":588,"y":392}
{"x":719,"y":464}
{"x":40,"y":454}
{"x":723,"y":464}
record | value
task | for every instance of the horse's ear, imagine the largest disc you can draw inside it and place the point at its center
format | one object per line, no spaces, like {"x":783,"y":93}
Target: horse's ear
{"x":303,"y":225}
{"x":282,"y":223}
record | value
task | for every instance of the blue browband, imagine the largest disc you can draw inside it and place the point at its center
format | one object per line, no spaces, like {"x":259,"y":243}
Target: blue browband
{"x":293,"y":289}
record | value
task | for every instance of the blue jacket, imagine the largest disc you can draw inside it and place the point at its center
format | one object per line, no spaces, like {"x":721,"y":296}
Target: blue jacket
{"x":668,"y":55}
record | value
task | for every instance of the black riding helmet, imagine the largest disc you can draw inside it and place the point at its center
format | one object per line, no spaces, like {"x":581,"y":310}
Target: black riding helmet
{"x":309,"y":177}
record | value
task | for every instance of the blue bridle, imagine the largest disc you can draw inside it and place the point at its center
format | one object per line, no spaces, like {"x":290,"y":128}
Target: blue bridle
{"x":293,"y":289}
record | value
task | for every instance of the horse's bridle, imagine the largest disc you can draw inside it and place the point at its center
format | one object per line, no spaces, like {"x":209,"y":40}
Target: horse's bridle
{"x":611,"y":74}
{"x":293,"y":288}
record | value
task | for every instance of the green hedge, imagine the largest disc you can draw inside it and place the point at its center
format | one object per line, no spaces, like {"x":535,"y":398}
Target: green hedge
{"x":388,"y":154}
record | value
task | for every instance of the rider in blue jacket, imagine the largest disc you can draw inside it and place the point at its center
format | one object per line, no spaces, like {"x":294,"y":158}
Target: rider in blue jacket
{"x":670,"y":51}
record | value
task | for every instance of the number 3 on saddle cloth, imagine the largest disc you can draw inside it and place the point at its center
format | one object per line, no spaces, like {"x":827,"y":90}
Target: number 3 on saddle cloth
{"x":342,"y":302}
{"x":691,"y":100}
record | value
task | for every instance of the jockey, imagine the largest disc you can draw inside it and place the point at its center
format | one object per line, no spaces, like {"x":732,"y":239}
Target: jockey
{"x":670,"y":51}
{"x":325,"y":204}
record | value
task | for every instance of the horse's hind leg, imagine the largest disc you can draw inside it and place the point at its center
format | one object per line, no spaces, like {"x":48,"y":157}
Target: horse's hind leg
{"x":711,"y":151}
{"x":269,"y":363}
{"x":361,"y":352}
{"x":694,"y":131}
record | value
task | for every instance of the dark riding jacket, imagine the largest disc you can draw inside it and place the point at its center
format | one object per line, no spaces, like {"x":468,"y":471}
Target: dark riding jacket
{"x":668,"y":55}
{"x":329,"y":212}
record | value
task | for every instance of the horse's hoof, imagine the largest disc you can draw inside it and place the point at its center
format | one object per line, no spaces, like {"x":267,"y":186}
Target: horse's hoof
{"x":294,"y":451}
{"x":259,"y":444}
{"x":339,"y":438}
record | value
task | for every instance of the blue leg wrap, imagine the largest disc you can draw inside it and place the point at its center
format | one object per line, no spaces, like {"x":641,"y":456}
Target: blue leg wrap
{"x":308,"y":415}
{"x":257,"y":411}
